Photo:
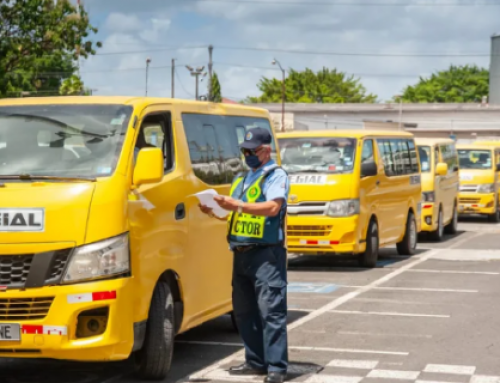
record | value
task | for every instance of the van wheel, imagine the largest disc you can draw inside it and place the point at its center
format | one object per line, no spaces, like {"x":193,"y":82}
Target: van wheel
{"x":495,"y":217}
{"x":409,"y":243}
{"x":153,"y":361}
{"x":370,"y":256}
{"x":233,"y":320}
{"x":452,"y":227}
{"x":437,"y":235}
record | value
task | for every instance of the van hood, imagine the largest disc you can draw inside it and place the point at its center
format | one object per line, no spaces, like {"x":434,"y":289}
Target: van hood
{"x":476,"y":176}
{"x":314,"y":187}
{"x":44,"y":212}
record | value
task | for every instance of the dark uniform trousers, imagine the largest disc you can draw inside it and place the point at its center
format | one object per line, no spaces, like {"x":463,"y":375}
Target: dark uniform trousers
{"x":260,"y":308}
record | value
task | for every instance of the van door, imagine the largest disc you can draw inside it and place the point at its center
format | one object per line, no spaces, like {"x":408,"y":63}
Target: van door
{"x":368,"y":190}
{"x":158,"y":226}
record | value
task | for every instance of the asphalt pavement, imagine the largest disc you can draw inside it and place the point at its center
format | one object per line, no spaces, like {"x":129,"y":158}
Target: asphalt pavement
{"x":433,"y":317}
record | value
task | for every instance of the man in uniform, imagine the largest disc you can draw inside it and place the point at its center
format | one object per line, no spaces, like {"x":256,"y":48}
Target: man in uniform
{"x":256,"y":235}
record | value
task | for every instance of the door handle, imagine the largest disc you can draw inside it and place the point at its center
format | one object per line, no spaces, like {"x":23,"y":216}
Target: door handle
{"x":180,"y":211}
{"x":377,"y":182}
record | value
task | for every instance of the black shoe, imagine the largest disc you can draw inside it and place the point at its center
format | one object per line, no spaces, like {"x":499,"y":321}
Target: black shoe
{"x":275,"y":377}
{"x":245,"y":369}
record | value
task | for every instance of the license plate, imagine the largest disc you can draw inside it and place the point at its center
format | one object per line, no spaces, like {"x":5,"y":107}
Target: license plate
{"x":10,"y":332}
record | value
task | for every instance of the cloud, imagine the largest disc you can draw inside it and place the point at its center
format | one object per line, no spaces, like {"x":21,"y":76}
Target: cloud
{"x":181,"y":26}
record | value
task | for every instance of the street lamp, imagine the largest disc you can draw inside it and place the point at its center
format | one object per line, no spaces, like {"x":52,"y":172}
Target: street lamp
{"x":148,"y":61}
{"x":196,"y":73}
{"x":283,"y":90}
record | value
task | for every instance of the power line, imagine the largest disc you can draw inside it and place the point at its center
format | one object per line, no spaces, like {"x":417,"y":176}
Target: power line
{"x":182,"y":85}
{"x":326,"y":53}
{"x":349,"y":4}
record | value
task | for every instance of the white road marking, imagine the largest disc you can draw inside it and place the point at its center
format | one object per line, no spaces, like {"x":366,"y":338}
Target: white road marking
{"x":453,"y":272}
{"x":385,"y":334}
{"x":388,"y":314}
{"x":415,"y":289}
{"x":449,"y":369}
{"x":390,"y":374}
{"x":225,"y":375}
{"x":333,"y":305}
{"x":298,"y":348}
{"x":334,"y":379}
{"x":357,"y":364}
{"x":432,"y":381}
{"x":485,"y":379}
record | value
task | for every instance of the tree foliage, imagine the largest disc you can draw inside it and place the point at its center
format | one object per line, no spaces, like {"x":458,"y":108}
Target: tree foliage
{"x":324,"y":86}
{"x":456,"y":84}
{"x":216,"y":90}
{"x":72,"y":86}
{"x":39,"y":42}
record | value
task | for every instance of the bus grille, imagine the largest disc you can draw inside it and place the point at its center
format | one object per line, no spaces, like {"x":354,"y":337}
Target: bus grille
{"x":17,"y":309}
{"x":309,"y":231}
{"x":14,"y":269}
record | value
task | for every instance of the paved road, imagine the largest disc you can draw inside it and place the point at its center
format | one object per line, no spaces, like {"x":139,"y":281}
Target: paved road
{"x":433,"y":317}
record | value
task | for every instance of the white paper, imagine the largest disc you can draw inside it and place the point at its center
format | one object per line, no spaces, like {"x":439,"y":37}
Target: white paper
{"x":206,"y":197}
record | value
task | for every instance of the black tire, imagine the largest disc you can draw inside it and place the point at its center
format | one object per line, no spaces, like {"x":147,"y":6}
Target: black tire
{"x":233,"y":320}
{"x":495,"y":217}
{"x":153,"y":361}
{"x":369,"y":258}
{"x":452,"y":227}
{"x":438,"y":234}
{"x":408,"y":245}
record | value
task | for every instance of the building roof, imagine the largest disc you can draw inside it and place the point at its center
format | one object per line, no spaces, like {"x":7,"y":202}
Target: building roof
{"x":355,"y":133}
{"x":320,"y":108}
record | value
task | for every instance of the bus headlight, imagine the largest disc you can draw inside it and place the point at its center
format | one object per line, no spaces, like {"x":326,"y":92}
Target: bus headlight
{"x":428,"y":196}
{"x":343,"y":208}
{"x":99,"y":260}
{"x":486,"y":188}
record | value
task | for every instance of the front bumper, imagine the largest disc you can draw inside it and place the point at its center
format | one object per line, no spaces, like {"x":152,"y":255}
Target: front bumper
{"x":55,"y":337}
{"x":318,"y":235}
{"x":474,"y":203}
{"x":429,"y":221}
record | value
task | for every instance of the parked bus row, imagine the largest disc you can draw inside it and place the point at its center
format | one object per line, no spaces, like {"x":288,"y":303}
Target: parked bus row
{"x":105,"y":254}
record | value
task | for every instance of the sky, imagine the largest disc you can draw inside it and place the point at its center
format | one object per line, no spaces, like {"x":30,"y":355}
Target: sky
{"x":387,"y":44}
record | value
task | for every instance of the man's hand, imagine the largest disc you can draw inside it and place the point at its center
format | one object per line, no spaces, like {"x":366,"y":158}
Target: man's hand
{"x":205,"y":209}
{"x":226,"y":203}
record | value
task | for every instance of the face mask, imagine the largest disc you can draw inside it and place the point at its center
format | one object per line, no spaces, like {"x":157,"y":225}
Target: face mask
{"x":253,"y":162}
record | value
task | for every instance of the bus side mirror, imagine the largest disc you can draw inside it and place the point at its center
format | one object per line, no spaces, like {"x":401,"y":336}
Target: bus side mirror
{"x":369,"y":169}
{"x":149,"y":166}
{"x":442,"y":169}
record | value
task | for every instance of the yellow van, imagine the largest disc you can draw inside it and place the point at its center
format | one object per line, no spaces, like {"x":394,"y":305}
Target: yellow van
{"x":352,"y":192}
{"x":440,"y":182}
{"x":104,"y":252}
{"x":479,"y":179}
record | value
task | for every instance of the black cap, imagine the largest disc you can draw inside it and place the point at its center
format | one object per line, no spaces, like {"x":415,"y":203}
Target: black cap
{"x":256,"y":137}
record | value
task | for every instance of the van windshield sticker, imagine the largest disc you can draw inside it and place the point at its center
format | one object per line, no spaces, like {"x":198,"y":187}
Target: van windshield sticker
{"x":308,"y":179}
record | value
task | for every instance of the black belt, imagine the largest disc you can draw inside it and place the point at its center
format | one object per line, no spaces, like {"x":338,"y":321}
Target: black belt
{"x":245,"y":248}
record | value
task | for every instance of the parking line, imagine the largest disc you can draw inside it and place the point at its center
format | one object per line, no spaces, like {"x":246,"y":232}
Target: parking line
{"x":453,"y":272}
{"x":334,"y":304}
{"x":385,"y":334}
{"x":392,"y":374}
{"x":449,"y":369}
{"x":389,"y":314}
{"x":415,"y":289}
{"x":300,"y":348}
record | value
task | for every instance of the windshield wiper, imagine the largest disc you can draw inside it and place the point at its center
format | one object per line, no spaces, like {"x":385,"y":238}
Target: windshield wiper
{"x":29,"y":177}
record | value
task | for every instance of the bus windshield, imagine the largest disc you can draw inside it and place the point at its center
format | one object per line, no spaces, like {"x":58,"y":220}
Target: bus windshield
{"x":425,"y":155}
{"x":318,"y":154}
{"x":61,"y":140}
{"x":474,"y":159}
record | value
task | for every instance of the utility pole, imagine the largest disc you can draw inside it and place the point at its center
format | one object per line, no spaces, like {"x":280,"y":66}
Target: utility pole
{"x":400,"y":111}
{"x":173,"y":78}
{"x":283,"y":92}
{"x":210,"y":72}
{"x":196,"y":73}
{"x":148,"y":61}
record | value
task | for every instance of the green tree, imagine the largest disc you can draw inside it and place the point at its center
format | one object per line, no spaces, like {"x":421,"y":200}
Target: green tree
{"x":73,"y":86}
{"x":467,"y":83}
{"x":216,"y":91}
{"x":39,"y":43}
{"x":324,"y":86}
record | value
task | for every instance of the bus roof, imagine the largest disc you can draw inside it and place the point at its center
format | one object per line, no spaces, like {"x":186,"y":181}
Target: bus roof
{"x":475,"y":146}
{"x":351,"y":133}
{"x":421,"y":141}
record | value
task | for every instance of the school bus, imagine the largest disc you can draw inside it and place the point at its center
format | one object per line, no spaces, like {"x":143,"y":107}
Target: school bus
{"x":479,"y":179}
{"x":440,"y":182}
{"x":104,"y":252}
{"x":352,"y":192}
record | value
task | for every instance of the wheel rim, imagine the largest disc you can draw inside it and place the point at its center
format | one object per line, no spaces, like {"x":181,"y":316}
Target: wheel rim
{"x":413,"y":234}
{"x":440,"y":223}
